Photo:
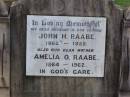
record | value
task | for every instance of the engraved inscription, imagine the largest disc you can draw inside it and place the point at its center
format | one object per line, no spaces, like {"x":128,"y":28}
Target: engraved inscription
{"x":65,"y":46}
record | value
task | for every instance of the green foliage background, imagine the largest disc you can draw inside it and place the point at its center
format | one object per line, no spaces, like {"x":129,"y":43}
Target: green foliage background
{"x":123,"y":3}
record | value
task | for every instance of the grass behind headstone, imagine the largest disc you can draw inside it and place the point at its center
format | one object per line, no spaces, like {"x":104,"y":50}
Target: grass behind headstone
{"x":123,"y":3}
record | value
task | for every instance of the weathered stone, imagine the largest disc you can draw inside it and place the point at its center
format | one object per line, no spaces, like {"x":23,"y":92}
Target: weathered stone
{"x":25,"y":86}
{"x":3,"y":9}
